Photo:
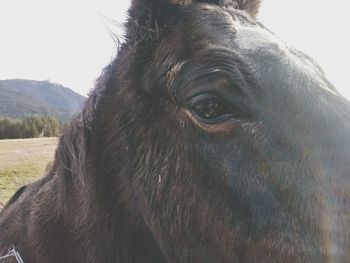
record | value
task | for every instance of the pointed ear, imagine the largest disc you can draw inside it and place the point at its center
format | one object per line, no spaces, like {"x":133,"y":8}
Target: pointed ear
{"x":156,"y":8}
{"x":146,"y":17}
{"x":251,"y":6}
{"x":150,"y":14}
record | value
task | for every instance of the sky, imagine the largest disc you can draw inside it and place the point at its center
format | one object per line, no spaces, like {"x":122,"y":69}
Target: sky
{"x":67,"y":41}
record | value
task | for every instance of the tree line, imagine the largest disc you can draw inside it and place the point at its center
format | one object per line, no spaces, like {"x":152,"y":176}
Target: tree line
{"x":30,"y":127}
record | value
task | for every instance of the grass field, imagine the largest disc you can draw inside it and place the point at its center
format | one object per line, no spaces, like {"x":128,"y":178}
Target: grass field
{"x":23,"y":161}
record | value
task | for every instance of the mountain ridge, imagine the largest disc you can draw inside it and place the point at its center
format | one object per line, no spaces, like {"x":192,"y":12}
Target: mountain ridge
{"x":21,"y":98}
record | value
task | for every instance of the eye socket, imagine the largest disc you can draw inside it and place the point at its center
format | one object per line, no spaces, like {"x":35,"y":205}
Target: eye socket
{"x":210,"y":109}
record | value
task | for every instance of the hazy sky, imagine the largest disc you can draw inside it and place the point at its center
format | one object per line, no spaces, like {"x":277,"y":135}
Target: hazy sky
{"x":67,"y":42}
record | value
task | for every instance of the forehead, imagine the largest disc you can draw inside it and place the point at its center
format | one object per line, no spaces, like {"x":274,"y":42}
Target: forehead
{"x":216,"y":25}
{"x":206,"y":27}
{"x":210,"y":25}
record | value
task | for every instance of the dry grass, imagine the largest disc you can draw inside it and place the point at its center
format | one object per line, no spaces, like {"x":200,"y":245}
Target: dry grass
{"x":22,"y":162}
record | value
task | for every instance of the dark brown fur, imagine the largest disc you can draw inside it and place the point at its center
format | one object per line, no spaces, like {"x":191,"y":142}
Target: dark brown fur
{"x":141,"y":176}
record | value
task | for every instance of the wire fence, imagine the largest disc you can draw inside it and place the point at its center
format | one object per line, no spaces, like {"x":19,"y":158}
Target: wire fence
{"x":12,"y":253}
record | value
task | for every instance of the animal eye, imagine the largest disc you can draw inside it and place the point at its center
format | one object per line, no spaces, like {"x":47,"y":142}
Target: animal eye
{"x":210,"y":109}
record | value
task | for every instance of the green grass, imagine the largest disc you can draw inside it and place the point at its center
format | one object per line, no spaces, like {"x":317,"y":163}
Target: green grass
{"x":22,"y":162}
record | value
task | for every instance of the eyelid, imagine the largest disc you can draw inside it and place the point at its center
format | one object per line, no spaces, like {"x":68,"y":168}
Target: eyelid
{"x":223,"y":128}
{"x":201,"y":96}
{"x":211,"y":83}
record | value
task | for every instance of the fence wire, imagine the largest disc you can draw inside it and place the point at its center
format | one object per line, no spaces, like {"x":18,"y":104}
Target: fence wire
{"x":12,"y":253}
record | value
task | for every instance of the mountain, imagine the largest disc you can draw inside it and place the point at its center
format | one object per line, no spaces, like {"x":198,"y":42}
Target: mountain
{"x":23,"y":98}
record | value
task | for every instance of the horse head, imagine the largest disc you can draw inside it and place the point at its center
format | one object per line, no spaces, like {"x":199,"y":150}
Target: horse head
{"x":207,"y":139}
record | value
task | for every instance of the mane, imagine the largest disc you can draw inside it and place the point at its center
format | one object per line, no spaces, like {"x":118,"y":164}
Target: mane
{"x":71,"y":154}
{"x":73,"y":143}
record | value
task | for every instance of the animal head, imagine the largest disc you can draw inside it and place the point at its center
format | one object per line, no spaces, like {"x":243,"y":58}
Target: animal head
{"x":220,"y":140}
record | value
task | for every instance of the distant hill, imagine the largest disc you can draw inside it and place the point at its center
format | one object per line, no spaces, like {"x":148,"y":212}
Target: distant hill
{"x":22,"y":98}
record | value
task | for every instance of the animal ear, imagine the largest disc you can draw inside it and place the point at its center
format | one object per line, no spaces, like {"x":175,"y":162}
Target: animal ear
{"x":147,"y":16}
{"x":159,"y":3}
{"x":156,"y":9}
{"x":152,"y":13}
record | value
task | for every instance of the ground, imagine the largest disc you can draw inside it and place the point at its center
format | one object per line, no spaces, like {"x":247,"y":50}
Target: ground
{"x":22,"y":162}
